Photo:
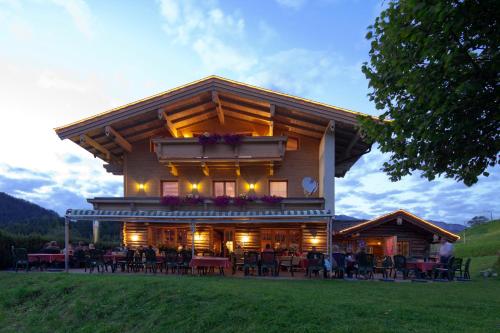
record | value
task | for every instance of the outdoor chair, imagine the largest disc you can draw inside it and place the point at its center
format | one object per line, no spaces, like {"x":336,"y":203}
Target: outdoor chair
{"x":385,"y":267}
{"x":268,"y":263}
{"x":237,"y":261}
{"x":315,"y":263}
{"x":339,"y":267}
{"x":465,"y":273}
{"x":365,"y":265}
{"x":96,"y":260}
{"x":79,"y":259}
{"x":457,"y":267}
{"x":400,"y":266}
{"x":171,"y":260}
{"x":128,"y":262}
{"x":183,"y":261}
{"x":250,"y":261}
{"x":446,"y":269}
{"x":152,"y":263}
{"x":289,"y":263}
{"x":20,"y":258}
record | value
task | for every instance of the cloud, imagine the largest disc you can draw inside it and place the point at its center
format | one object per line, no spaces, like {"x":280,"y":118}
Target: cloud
{"x":80,"y":14}
{"x":213,"y":34}
{"x":293,"y":4}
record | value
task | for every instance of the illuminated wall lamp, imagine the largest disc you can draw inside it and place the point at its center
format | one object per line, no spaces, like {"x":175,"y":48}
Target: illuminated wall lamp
{"x":251,"y":187}
{"x":245,"y":239}
{"x":141,"y":186}
{"x":315,"y":241}
{"x":134,"y":237}
{"x":194,"y":186}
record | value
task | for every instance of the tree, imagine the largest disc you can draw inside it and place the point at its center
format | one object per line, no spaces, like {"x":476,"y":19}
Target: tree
{"x":434,"y":72}
{"x":476,"y":220}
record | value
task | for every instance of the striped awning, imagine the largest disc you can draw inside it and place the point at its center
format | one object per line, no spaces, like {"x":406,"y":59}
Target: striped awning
{"x":162,"y":215}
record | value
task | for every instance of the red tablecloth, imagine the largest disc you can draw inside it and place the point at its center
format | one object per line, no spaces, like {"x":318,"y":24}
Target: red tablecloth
{"x":46,"y":257}
{"x":199,"y":261}
{"x":423,"y":266}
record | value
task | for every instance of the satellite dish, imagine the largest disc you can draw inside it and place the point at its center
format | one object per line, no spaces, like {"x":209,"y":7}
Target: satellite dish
{"x":309,"y":185}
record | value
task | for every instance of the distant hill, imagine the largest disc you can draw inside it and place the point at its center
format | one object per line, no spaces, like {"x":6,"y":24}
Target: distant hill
{"x":451,"y":227}
{"x":23,"y":217}
{"x":18,"y":216}
{"x":14,"y":210}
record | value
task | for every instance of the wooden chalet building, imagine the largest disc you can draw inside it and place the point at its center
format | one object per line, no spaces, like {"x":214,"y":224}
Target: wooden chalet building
{"x":272,"y":142}
{"x":399,"y":232}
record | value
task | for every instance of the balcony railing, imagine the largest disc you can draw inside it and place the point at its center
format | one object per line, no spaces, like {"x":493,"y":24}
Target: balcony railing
{"x":154,"y":203}
{"x":251,"y":148}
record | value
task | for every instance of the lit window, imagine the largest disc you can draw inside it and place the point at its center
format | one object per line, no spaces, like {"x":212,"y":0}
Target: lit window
{"x":292,"y":144}
{"x":278,"y":188}
{"x":225,"y":188}
{"x":170,"y":188}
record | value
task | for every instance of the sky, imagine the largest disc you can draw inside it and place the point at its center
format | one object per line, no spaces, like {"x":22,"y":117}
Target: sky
{"x":61,"y":61}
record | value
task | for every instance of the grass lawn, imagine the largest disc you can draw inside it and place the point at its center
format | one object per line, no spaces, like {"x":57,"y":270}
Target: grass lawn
{"x":50,"y":302}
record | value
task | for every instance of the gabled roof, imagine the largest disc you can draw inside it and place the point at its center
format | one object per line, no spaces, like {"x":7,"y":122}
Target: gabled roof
{"x":110,"y":134}
{"x":407,"y":216}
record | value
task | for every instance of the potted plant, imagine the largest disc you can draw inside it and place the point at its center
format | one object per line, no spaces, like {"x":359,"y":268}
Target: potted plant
{"x":271,"y":199}
{"x":207,"y":139}
{"x":171,"y":201}
{"x":243,"y":200}
{"x":191,"y":199}
{"x":232,"y":139}
{"x":222,"y":201}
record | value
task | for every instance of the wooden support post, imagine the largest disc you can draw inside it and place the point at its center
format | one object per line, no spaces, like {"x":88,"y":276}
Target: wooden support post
{"x":218,"y":107}
{"x":173,"y":169}
{"x":117,"y":138}
{"x":205,"y":169}
{"x":271,"y":169}
{"x":272,"y":110}
{"x":238,"y":170}
{"x":66,"y":244}
{"x":326,"y":169}
{"x":94,"y":144}
{"x":193,"y":230}
{"x":95,"y":231}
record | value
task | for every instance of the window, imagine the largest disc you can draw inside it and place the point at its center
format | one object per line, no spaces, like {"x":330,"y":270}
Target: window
{"x":278,"y":188}
{"x":292,"y":144}
{"x":170,"y":188}
{"x":404,"y":248}
{"x":225,"y":188}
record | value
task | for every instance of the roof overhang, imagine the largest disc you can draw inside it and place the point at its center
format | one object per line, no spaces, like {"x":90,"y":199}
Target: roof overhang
{"x":109,"y":135}
{"x":196,"y":216}
{"x":415,"y":220}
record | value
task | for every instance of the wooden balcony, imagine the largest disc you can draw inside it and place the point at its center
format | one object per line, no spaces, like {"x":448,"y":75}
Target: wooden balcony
{"x":250,"y":149}
{"x":153,"y":203}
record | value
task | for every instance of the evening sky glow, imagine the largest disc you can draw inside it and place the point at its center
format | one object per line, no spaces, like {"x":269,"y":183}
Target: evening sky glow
{"x":62,"y":61}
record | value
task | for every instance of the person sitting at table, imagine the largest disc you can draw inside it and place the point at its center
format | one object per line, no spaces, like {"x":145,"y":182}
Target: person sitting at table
{"x":268,"y":248}
{"x":350,"y":264}
{"x":70,"y":249}
{"x":51,"y":247}
{"x":91,"y":246}
{"x":445,"y":251}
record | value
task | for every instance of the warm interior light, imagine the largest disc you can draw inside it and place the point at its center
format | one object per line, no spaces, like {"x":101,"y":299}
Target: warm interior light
{"x":245,"y":239}
{"x":134,"y":237}
{"x":251,"y":186}
{"x":141,"y":186}
{"x":197,"y":236}
{"x":315,"y":240}
{"x":194,"y":186}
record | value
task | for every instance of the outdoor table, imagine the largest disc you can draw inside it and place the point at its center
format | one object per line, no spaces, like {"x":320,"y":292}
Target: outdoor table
{"x":421,"y":266}
{"x":46,"y":257}
{"x":208,"y":261}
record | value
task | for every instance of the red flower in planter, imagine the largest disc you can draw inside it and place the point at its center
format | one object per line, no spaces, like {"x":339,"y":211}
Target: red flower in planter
{"x":171,"y":200}
{"x":232,"y":139}
{"x":222,"y":201}
{"x":271,"y":199}
{"x":193,"y":200}
{"x":242,"y":200}
{"x":208,"y":139}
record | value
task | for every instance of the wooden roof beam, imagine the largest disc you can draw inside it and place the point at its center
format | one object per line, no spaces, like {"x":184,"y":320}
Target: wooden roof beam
{"x":218,"y":107}
{"x":353,"y":142}
{"x":238,"y":170}
{"x":118,"y":138}
{"x":170,"y":126}
{"x":85,"y":139}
